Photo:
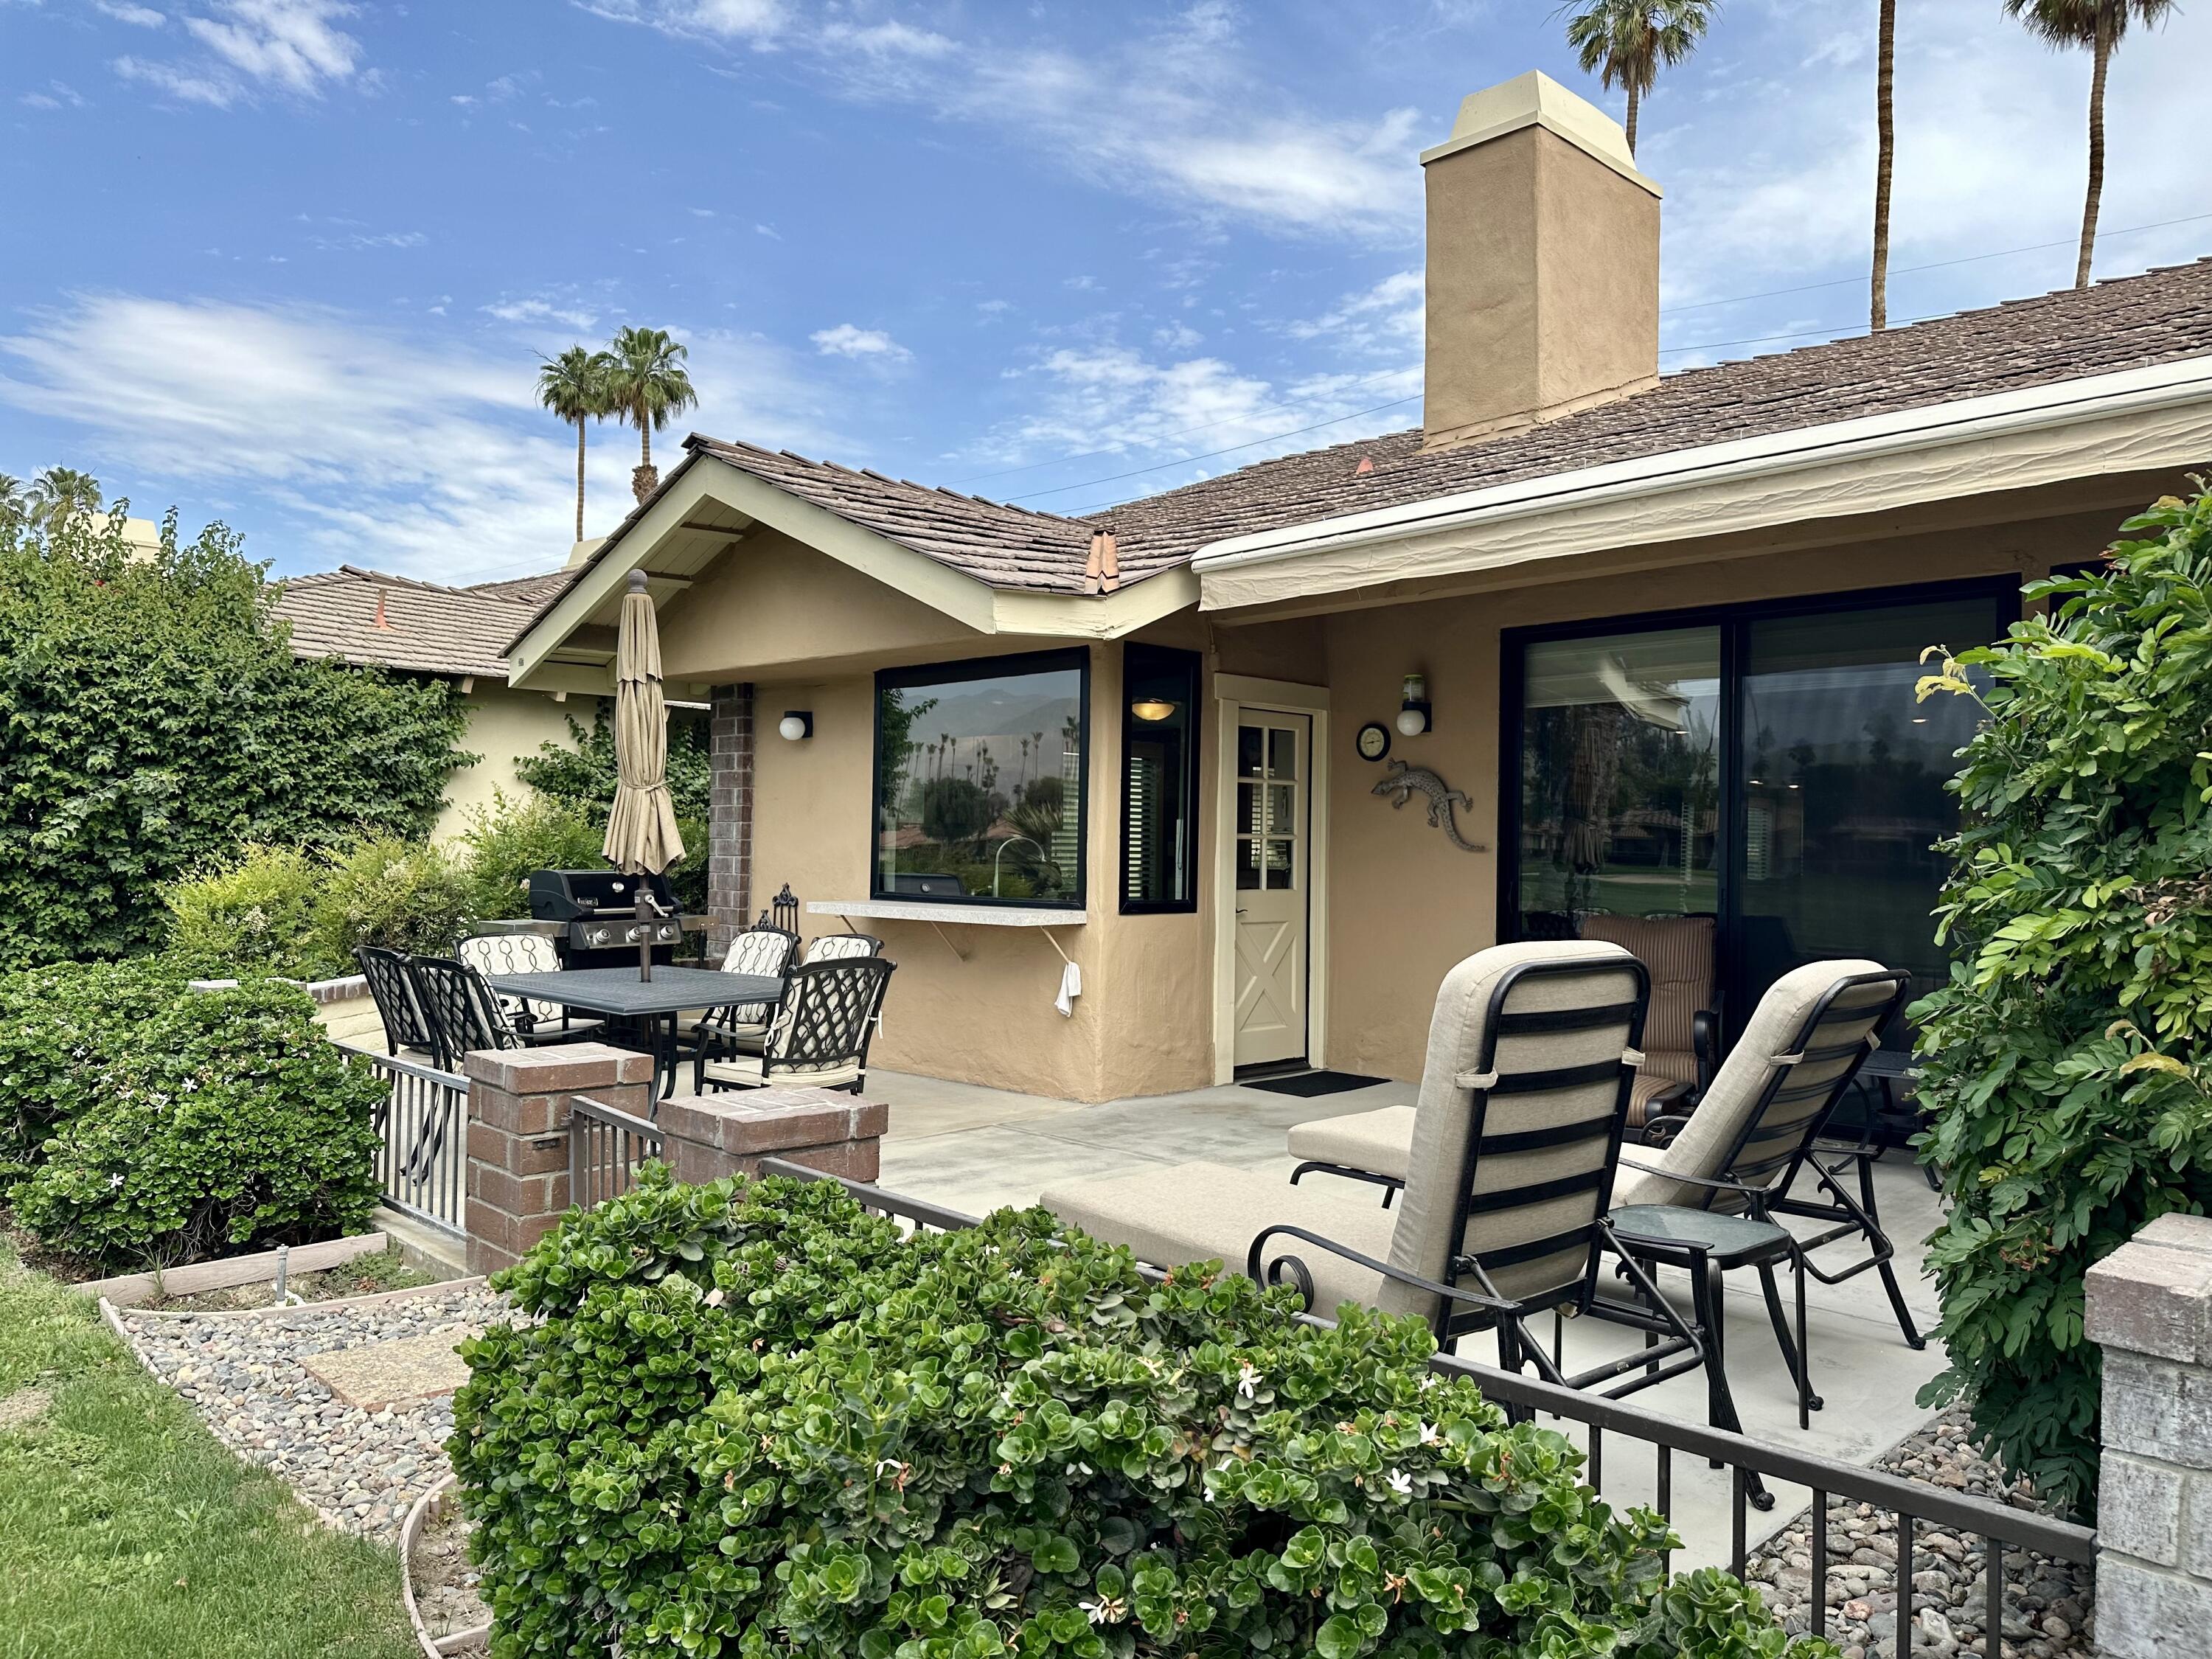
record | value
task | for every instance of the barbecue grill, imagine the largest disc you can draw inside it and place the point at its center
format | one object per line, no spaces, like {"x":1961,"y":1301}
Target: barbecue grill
{"x":596,"y":914}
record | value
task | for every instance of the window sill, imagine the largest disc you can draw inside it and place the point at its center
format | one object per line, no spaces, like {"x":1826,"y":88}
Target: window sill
{"x":948,"y":913}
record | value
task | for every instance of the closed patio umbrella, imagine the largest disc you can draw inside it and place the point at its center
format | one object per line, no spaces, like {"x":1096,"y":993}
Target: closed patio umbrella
{"x":641,"y":833}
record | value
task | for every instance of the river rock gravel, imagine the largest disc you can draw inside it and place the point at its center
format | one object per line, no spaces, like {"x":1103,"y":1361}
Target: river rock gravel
{"x":2049,"y":1604}
{"x":358,"y":1470}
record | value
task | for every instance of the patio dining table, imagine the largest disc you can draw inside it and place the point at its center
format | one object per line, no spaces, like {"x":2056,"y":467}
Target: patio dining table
{"x":619,"y":994}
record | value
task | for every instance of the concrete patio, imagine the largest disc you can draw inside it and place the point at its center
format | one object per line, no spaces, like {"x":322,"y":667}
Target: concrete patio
{"x":975,"y":1149}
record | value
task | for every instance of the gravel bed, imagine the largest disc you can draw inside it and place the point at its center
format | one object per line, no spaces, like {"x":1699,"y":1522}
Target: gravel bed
{"x":358,"y":1470}
{"x":2048,"y":1604}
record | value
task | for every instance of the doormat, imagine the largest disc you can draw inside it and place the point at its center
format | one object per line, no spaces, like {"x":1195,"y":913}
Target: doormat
{"x":1308,"y":1085}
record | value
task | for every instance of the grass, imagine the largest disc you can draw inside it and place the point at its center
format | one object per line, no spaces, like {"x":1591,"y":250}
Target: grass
{"x":127,"y":1530}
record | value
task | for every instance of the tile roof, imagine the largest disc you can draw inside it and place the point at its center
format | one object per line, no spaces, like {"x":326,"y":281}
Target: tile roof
{"x":2160,"y":316}
{"x":429,"y":628}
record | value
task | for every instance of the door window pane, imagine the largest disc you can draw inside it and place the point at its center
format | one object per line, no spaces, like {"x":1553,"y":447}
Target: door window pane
{"x":1282,"y":754}
{"x":1159,"y":779}
{"x":1843,"y":788}
{"x":1247,"y":751}
{"x":980,"y":780}
{"x":1619,"y":778}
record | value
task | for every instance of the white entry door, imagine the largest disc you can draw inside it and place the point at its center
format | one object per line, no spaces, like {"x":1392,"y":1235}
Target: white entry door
{"x":1273,"y":770}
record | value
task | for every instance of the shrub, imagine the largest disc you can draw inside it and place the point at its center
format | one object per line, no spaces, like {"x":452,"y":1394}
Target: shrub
{"x":2067,"y":1062}
{"x":215,"y":1123}
{"x":750,"y":1419}
{"x":251,"y":914}
{"x":60,"y":1028}
{"x":152,"y":717}
{"x":509,"y":838}
{"x":408,"y":895}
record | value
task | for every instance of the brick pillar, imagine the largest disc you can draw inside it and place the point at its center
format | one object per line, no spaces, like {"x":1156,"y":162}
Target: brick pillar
{"x":710,"y":1136}
{"x":730,"y":818}
{"x":2149,"y":1305}
{"x":518,"y":1147}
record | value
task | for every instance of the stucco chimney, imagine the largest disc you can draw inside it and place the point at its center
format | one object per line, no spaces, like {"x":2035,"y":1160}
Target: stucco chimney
{"x":1543,"y":271}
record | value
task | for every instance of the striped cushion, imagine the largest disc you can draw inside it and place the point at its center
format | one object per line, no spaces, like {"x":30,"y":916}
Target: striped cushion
{"x":1678,"y":952}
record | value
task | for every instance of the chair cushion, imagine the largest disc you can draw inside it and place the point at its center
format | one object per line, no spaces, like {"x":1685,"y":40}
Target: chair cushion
{"x":1377,"y":1141}
{"x":1710,"y":1136}
{"x":1205,"y":1211}
{"x":743,"y":1071}
{"x":1679,"y":953}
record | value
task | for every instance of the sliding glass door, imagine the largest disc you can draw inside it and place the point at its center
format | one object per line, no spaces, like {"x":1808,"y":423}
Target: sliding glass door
{"x":1766,"y":767}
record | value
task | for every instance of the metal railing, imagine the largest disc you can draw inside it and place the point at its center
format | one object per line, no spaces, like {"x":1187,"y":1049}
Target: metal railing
{"x":606,"y":1148}
{"x":1998,"y":1524}
{"x":423,"y":1125}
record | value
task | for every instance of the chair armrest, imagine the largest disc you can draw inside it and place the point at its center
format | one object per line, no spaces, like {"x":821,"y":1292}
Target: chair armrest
{"x":1661,"y":1131}
{"x":1713,"y":1183}
{"x":1253,"y":1271}
{"x":1705,"y":1042}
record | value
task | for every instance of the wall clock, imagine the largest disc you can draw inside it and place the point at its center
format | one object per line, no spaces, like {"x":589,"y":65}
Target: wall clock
{"x":1373,"y":741}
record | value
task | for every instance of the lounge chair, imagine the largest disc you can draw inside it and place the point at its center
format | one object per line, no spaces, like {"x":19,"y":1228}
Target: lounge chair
{"x":1531,"y":1063}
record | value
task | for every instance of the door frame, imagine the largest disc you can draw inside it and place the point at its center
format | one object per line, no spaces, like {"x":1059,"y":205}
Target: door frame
{"x":1732,"y":620}
{"x":1233,"y":694}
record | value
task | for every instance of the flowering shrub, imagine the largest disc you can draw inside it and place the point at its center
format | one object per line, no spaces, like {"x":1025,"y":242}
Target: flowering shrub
{"x":251,"y":913}
{"x":60,"y":1028}
{"x":750,"y":1419}
{"x":2067,"y":1062}
{"x":198,"y":1125}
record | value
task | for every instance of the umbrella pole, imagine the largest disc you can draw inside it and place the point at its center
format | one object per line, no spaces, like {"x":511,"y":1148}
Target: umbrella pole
{"x":646,"y":908}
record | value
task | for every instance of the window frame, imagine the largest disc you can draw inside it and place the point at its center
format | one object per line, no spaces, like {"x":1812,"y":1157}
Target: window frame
{"x":1191,"y":665}
{"x":958,"y":671}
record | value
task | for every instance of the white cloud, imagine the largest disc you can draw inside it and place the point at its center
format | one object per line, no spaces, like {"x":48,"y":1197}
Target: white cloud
{"x":217,"y":91}
{"x":756,"y":22}
{"x":144,"y":17}
{"x":60,"y":95}
{"x":350,"y":441}
{"x":768,"y":231}
{"x":540,"y":311}
{"x":1389,"y":316}
{"x":294,"y":45}
{"x":846,"y":340}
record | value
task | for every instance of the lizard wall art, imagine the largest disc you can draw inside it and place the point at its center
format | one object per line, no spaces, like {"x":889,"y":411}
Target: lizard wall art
{"x":1406,"y":781}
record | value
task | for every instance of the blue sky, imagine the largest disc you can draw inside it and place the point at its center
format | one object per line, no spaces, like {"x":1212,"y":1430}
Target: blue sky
{"x":289,"y":263}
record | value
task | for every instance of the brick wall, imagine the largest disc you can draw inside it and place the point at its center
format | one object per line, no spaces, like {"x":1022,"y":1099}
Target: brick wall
{"x":2150,"y":1306}
{"x":729,"y":835}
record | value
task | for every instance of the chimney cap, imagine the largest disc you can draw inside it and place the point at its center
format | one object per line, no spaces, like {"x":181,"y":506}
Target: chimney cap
{"x":1534,"y":99}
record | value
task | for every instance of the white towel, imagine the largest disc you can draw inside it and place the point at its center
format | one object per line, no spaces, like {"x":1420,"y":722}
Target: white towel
{"x":1071,"y":986}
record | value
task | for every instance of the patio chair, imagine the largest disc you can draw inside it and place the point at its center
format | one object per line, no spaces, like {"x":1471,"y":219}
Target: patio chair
{"x":524,"y":953}
{"x":1677,"y":953}
{"x":1758,"y":1128}
{"x":834,"y":947}
{"x":463,"y":1012}
{"x":819,"y":1036}
{"x":1531,"y":1063}
{"x":763,"y":950}
{"x":406,"y":1027}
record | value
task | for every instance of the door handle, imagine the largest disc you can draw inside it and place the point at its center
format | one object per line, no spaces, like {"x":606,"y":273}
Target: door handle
{"x":1240,"y":910}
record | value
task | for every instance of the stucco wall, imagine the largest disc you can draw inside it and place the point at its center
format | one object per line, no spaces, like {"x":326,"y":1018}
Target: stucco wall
{"x":1405,"y":905}
{"x":502,"y":724}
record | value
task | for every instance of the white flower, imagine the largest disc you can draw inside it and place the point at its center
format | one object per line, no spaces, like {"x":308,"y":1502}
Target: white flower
{"x":115,"y":1180}
{"x":1429,"y":1435}
{"x":1401,"y":1483}
{"x":1429,"y":1380}
{"x":1248,"y":1380}
{"x":1106,"y":1610}
{"x":889,"y":1466}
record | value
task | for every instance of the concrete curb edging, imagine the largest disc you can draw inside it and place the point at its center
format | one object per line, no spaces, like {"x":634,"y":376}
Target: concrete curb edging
{"x":127,"y":1289}
{"x":406,"y":1292}
{"x":434,"y":1647}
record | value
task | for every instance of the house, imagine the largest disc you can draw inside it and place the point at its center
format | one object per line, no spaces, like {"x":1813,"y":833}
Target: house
{"x":1657,"y":634}
{"x":456,"y":634}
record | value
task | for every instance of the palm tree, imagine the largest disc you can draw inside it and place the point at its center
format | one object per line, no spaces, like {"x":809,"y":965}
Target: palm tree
{"x":574,"y":385}
{"x":14,"y":507}
{"x":59,"y":493}
{"x":2099,"y":25}
{"x":646,"y":383}
{"x":1885,"y":158}
{"x":1626,"y":42}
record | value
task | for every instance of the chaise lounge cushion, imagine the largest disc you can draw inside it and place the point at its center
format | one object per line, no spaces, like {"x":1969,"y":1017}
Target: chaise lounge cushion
{"x":1377,"y":1141}
{"x":1710,"y":1135}
{"x":1197,"y":1212}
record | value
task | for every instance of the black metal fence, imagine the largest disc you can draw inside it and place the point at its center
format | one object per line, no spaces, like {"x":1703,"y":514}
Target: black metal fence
{"x":1912,"y":1502}
{"x":422,"y":1124}
{"x":606,"y":1148}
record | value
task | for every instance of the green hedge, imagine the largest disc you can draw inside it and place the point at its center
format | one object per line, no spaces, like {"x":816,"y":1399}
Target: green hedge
{"x":173,"y":1125}
{"x":152,"y":717}
{"x":750,"y":1419}
{"x":2067,"y":1062}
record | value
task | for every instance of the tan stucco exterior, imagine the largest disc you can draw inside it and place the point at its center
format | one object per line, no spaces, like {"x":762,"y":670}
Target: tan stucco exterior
{"x":503,"y":723}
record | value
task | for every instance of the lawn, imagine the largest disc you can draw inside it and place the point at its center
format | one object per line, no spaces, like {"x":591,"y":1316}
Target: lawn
{"x":127,"y":1531}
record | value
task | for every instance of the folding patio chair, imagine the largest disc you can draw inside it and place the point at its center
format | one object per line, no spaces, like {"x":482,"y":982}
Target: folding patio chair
{"x":1531,"y":1064}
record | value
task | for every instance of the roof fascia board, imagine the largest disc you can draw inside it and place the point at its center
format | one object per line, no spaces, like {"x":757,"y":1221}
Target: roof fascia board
{"x":1107,"y":616}
{"x":2129,"y":421}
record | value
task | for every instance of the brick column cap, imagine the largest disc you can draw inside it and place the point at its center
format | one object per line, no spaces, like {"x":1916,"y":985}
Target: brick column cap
{"x":564,"y":1069}
{"x":757,"y":1122}
{"x":2153,"y":1294}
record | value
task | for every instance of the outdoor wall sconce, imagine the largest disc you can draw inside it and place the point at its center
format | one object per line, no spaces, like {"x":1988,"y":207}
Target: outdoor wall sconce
{"x":796,"y":724}
{"x":1414,"y":711}
{"x":1152,"y":709}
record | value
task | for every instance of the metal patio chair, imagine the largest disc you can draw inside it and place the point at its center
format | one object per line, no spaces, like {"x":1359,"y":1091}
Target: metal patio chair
{"x":465,"y":1013}
{"x":406,"y":1027}
{"x":836,"y":947}
{"x":819,"y":1036}
{"x":742,"y":1027}
{"x":524,"y":953}
{"x":1531,"y":1065}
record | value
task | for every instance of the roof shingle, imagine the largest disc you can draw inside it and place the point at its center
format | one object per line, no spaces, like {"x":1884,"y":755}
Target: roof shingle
{"x":427,"y":629}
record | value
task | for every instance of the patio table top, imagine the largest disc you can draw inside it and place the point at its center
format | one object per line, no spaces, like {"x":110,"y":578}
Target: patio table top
{"x":619,"y":990}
